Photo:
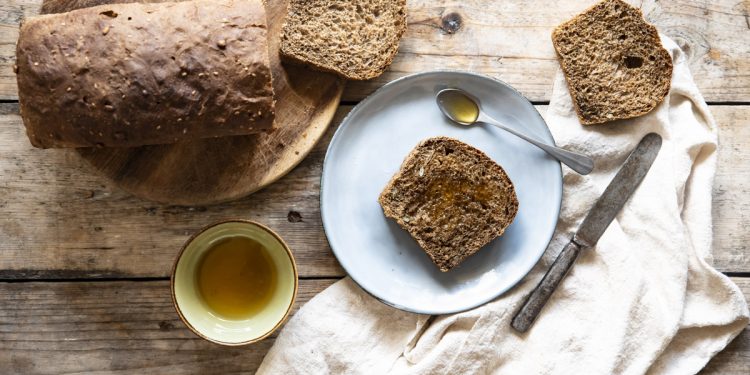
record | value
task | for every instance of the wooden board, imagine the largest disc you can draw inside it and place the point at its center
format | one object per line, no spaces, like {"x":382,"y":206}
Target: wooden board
{"x":59,"y":220}
{"x":131,"y":327}
{"x":221,"y":169}
{"x":510,"y":40}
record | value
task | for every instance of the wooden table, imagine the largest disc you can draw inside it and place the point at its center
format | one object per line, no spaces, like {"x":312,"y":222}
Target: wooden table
{"x":84,"y":266}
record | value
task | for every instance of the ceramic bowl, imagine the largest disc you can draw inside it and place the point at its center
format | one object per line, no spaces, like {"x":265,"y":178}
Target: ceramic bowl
{"x":193,"y":310}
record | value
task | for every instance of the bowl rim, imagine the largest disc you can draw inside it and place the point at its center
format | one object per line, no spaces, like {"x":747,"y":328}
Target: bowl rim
{"x":291,"y":300}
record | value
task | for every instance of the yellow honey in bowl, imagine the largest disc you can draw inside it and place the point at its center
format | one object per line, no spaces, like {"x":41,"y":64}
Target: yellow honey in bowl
{"x":236,"y":278}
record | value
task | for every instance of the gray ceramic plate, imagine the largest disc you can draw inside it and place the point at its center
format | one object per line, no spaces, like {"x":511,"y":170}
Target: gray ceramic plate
{"x":368,"y":149}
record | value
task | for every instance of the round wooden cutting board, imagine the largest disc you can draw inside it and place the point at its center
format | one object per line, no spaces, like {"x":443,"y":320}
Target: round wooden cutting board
{"x":215,"y":170}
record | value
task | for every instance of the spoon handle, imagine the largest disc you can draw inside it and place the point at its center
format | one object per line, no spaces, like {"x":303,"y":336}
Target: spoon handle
{"x":577,"y":162}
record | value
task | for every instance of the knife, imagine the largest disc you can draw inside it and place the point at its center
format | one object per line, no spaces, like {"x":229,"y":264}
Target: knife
{"x":593,"y":226}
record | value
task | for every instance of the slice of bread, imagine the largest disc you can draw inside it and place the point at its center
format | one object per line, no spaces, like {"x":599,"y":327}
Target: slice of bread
{"x":614,"y":63}
{"x":356,"y":39}
{"x":452,"y":198}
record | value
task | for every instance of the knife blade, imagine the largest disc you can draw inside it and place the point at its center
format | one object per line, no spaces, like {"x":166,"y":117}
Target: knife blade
{"x":597,"y":220}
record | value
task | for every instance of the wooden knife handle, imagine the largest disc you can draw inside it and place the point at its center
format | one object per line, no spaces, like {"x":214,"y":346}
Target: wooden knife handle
{"x":525,"y":317}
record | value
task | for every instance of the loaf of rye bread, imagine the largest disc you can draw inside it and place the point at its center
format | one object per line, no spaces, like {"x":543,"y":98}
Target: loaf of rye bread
{"x":135,"y":74}
{"x":452,"y":198}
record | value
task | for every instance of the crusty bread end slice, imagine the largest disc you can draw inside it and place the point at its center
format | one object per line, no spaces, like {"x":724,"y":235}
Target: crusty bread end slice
{"x":356,"y":39}
{"x":614,"y":63}
{"x":452,"y":198}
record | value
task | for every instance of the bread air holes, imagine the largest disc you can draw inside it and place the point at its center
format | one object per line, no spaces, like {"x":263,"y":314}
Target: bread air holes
{"x":632,"y":62}
{"x":109,"y":13}
{"x":448,"y":151}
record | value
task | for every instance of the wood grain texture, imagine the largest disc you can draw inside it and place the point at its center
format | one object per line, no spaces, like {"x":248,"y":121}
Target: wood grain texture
{"x":221,"y":169}
{"x":61,"y":219}
{"x":120,"y":326}
{"x":510,"y":40}
{"x":72,"y":223}
{"x":131,"y":327}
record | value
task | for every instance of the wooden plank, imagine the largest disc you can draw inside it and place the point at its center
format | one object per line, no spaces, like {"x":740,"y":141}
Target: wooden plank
{"x":511,"y":40}
{"x":731,"y":193}
{"x":127,"y":326}
{"x":12,"y":12}
{"x":122,"y":326}
{"x":61,"y":220}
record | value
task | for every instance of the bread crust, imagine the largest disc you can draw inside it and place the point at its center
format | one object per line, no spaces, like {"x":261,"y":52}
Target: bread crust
{"x":452,"y":198}
{"x":134,"y":74}
{"x":605,"y":85}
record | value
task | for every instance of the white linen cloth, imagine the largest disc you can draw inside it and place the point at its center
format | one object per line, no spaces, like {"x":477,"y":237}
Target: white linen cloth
{"x":644,"y":300}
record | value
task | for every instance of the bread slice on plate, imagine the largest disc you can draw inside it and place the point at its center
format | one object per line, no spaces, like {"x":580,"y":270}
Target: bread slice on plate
{"x":452,"y":198}
{"x":356,"y":39}
{"x":614,"y":63}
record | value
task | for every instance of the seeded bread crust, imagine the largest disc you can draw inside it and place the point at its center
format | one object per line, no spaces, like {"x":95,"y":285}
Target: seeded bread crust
{"x":125,"y":75}
{"x":614,"y":63}
{"x":452,"y":198}
{"x":355,"y":39}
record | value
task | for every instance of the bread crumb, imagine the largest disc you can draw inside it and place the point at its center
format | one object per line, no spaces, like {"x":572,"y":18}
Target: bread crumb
{"x":222,"y":43}
{"x":105,"y":30}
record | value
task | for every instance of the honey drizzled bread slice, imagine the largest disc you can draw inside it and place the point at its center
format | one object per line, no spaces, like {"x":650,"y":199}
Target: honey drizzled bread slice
{"x":452,"y":198}
{"x":614,"y":63}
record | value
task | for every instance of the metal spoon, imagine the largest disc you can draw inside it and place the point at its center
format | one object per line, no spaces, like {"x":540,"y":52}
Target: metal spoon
{"x":462,"y":109}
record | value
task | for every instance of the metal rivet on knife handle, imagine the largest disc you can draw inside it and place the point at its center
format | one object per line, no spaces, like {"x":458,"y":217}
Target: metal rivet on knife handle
{"x":593,"y":226}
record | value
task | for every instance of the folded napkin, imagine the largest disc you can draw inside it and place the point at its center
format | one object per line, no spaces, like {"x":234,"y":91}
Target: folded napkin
{"x":644,"y":300}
